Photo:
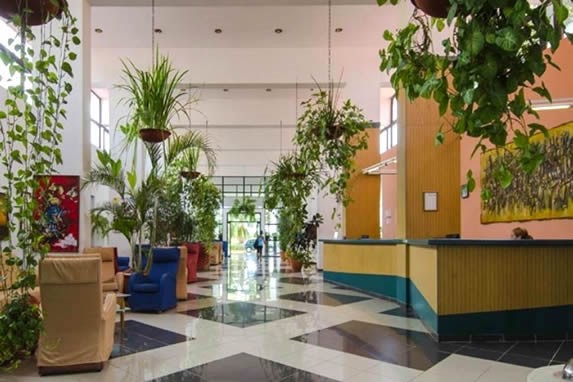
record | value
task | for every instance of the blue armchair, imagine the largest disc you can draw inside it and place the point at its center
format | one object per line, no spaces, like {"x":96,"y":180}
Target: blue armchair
{"x":156,"y":292}
{"x":122,"y":263}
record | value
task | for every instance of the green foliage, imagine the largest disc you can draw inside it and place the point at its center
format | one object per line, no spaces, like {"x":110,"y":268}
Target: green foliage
{"x":496,"y":51}
{"x":329,"y":137}
{"x":31,"y":124}
{"x":244,"y":207}
{"x":205,"y":200}
{"x":20,"y":328}
{"x":154,"y":97}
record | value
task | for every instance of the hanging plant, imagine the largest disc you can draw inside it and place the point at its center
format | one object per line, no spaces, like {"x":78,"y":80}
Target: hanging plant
{"x":33,"y":12}
{"x":330,"y":136}
{"x":155,"y":97}
{"x":497,"y":51}
{"x":244,"y":207}
{"x":31,"y":126}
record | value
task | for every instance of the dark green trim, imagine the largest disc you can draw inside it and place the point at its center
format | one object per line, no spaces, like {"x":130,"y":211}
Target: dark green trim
{"x":393,"y":287}
{"x":539,"y":321}
{"x":396,"y":288}
{"x":363,"y":242}
{"x":490,"y":243}
{"x":422,"y":308}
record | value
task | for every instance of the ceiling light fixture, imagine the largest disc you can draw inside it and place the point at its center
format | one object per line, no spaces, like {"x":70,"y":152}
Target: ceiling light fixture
{"x":98,"y":30}
{"x":268,"y":90}
{"x":218,"y":31}
{"x":225,"y":90}
{"x":278,"y":31}
{"x":338,"y":30}
{"x":158,"y":30}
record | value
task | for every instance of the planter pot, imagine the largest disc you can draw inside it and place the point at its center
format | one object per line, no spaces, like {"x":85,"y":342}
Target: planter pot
{"x":190,"y":174}
{"x":193,"y":250}
{"x":42,"y":11}
{"x":284,"y":257}
{"x":296,"y":265}
{"x":434,"y":8}
{"x":203,"y":261}
{"x":154,"y":135}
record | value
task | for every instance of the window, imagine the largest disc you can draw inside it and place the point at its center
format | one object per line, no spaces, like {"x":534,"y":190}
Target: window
{"x":6,"y":33}
{"x":99,"y":121}
{"x":389,"y":133}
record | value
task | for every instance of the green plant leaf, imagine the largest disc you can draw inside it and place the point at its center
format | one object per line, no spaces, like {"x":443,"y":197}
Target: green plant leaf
{"x":470,"y":181}
{"x":508,"y":39}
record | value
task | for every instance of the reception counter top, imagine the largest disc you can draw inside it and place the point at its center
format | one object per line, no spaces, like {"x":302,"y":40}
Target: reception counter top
{"x":462,"y":288}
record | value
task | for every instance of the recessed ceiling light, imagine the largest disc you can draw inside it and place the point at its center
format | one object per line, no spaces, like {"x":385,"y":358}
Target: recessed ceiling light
{"x":218,"y":30}
{"x":158,"y":30}
{"x":225,"y":90}
{"x":278,"y":30}
{"x":338,"y":30}
{"x":98,"y":30}
{"x":268,"y":89}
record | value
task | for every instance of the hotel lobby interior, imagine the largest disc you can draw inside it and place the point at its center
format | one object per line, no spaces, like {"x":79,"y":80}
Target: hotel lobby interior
{"x":251,"y":243}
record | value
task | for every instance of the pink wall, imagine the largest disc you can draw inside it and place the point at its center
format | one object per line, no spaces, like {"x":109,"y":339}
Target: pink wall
{"x":561,"y":86}
{"x":389,"y":202}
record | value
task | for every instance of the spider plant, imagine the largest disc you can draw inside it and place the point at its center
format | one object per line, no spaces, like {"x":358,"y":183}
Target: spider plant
{"x":155,"y":97}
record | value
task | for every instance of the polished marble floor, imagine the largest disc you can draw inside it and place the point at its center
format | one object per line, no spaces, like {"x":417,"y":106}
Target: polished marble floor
{"x":257,"y":321}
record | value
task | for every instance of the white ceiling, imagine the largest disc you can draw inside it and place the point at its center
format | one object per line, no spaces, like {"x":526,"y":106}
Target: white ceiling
{"x":244,"y":27}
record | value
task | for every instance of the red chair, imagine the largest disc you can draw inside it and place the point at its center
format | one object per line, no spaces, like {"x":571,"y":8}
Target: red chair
{"x":192,"y":257}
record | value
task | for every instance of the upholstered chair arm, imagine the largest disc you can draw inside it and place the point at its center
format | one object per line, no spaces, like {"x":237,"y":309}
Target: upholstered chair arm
{"x":167,"y":285}
{"x":119,"y":277}
{"x":108,"y":324}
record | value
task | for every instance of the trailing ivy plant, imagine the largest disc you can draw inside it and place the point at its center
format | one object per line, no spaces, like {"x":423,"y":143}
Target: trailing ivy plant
{"x":31,"y":124}
{"x":329,"y":136}
{"x":496,"y":51}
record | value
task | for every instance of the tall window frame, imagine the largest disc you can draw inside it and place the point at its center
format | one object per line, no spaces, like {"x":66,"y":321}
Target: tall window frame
{"x":99,"y":131}
{"x":389,"y":133}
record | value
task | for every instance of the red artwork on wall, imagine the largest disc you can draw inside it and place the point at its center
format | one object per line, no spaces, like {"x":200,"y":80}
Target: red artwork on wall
{"x":59,"y":211}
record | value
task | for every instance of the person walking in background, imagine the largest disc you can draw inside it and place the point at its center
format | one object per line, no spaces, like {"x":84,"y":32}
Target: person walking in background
{"x":519,"y":233}
{"x":259,"y":244}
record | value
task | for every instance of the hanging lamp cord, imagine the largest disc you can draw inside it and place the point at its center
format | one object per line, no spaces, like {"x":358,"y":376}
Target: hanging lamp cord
{"x":152,"y":31}
{"x":329,"y":40}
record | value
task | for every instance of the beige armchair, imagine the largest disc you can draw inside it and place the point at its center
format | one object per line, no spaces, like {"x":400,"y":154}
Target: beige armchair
{"x":181,"y":286}
{"x":111,"y":281}
{"x":78,"y":330}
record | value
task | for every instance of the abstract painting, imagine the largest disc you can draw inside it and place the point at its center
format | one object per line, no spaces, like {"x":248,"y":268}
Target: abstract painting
{"x":547,"y":193}
{"x":59,"y":210}
{"x":4,"y":232}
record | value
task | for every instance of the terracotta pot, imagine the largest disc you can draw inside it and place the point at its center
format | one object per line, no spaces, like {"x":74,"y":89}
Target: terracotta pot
{"x":42,"y":11}
{"x":295,"y":265}
{"x":193,"y":250}
{"x":190,"y":174}
{"x":203,"y":262}
{"x":154,"y":135}
{"x":434,"y":8}
{"x":284,"y":257}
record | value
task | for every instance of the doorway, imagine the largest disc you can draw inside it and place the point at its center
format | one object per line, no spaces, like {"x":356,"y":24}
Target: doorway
{"x":241,"y":233}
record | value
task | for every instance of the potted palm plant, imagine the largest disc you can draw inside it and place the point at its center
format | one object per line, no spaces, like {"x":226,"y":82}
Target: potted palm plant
{"x":496,"y":51}
{"x":155,"y":97}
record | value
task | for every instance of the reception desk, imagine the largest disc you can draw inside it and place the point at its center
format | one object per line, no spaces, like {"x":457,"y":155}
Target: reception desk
{"x":465,"y":288}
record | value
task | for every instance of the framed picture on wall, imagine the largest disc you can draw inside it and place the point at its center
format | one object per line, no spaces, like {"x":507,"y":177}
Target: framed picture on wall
{"x":430,"y":201}
{"x":59,"y":211}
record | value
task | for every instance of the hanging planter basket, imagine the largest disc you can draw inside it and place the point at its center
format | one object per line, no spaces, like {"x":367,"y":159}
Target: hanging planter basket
{"x":40,"y":11}
{"x":434,"y":8}
{"x":154,"y":135}
{"x":190,"y":174}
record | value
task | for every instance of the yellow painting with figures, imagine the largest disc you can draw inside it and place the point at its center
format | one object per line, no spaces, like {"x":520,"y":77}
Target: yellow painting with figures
{"x":547,"y":193}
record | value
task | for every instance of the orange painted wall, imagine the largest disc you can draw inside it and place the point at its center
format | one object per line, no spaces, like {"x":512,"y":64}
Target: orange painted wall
{"x":561,"y":86}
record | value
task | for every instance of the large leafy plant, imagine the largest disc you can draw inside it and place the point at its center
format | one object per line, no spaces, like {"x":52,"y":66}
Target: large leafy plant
{"x":329,"y":135}
{"x":244,"y":207}
{"x":496,"y":51}
{"x":31,"y":124}
{"x":205,"y":200}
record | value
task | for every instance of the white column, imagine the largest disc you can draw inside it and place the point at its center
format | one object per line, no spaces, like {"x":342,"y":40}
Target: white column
{"x":76,"y":150}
